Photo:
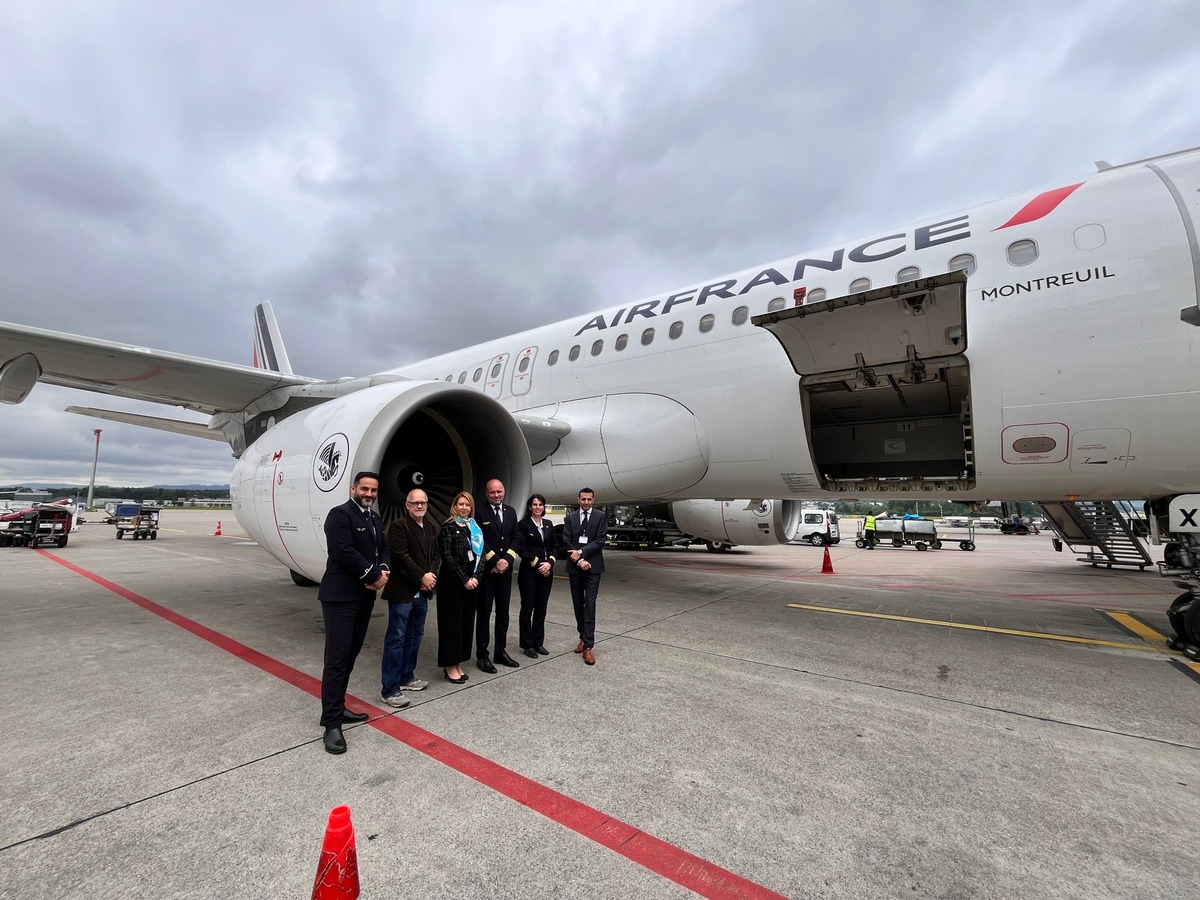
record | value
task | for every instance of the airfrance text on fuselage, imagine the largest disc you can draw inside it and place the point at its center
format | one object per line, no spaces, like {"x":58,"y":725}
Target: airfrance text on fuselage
{"x":873,"y":250}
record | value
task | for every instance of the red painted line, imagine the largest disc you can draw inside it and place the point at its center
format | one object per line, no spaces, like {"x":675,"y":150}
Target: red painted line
{"x":699,"y":875}
{"x":1040,"y":206}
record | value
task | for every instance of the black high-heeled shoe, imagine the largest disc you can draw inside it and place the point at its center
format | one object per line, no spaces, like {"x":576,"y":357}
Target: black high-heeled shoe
{"x":455,"y":680}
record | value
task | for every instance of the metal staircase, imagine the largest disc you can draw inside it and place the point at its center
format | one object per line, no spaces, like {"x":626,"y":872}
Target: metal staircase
{"x":1099,"y":526}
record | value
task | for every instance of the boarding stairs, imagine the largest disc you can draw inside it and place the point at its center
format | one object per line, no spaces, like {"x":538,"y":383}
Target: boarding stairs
{"x":1099,"y":526}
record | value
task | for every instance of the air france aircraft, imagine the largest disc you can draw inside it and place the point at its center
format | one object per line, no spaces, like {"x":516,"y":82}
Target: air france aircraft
{"x":1042,"y":346}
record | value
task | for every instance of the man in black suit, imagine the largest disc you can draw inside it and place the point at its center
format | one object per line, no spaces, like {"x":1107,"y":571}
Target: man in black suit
{"x":584,"y":534}
{"x":356,"y":569}
{"x":501,"y":553}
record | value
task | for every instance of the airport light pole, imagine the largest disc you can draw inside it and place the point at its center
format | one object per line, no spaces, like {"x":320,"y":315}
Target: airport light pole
{"x":95,"y":459}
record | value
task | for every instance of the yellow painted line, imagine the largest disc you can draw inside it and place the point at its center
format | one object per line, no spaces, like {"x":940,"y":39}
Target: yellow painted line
{"x":1065,"y":638}
{"x":1145,"y":632}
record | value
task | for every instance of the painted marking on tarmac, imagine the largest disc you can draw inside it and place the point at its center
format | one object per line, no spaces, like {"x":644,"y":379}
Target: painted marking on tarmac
{"x":1190,"y":669}
{"x":1136,"y":627}
{"x":699,"y":875}
{"x":1045,"y":636}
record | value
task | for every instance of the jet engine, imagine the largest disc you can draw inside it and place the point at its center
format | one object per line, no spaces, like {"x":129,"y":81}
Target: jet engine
{"x":439,"y":437}
{"x":746,"y":522}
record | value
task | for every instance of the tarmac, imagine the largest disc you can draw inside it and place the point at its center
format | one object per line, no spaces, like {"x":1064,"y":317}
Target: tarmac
{"x":1000,"y":723}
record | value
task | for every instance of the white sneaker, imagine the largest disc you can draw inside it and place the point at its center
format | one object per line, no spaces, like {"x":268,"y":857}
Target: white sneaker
{"x":397,"y":700}
{"x":415,"y":685}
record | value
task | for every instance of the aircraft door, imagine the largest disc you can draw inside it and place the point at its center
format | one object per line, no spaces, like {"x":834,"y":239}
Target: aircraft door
{"x":523,"y":371}
{"x":494,"y":382}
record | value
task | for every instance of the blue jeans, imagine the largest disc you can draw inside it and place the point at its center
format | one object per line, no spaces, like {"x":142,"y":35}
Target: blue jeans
{"x":405,"y":629}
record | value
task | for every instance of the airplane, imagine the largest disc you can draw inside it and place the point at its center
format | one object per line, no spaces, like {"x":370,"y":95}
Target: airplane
{"x":1039,"y":346}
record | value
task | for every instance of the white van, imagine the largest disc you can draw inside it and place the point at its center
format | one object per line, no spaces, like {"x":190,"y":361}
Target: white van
{"x":815,"y":523}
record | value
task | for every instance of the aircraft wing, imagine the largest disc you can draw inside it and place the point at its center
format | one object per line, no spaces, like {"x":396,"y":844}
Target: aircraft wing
{"x":209,"y":386}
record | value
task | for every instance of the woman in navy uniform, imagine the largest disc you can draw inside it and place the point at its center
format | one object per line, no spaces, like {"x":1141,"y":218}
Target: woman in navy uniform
{"x":536,"y":576}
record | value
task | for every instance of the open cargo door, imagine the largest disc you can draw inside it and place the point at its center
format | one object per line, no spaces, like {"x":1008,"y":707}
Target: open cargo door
{"x":885,"y":388}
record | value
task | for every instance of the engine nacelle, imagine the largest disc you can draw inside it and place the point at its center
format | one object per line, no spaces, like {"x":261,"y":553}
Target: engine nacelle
{"x":440,"y":437}
{"x":746,"y":522}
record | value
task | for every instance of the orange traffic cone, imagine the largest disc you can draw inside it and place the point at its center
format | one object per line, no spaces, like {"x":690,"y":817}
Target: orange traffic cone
{"x":827,"y":564}
{"x":337,"y":872}
{"x":217,"y":533}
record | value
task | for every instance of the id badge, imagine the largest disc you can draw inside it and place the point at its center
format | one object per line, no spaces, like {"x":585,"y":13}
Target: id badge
{"x":470,"y":556}
{"x":583,"y":539}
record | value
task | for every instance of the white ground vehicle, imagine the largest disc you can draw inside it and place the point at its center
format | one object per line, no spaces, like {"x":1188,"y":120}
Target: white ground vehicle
{"x":815,"y":524}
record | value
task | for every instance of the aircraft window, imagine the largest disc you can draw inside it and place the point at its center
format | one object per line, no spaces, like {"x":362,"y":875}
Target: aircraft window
{"x":496,"y":370}
{"x":858,"y":285}
{"x":964,"y":262}
{"x":816,"y":295}
{"x":676,"y":330}
{"x":776,"y":305}
{"x":908,"y":273}
{"x":597,"y":347}
{"x":647,"y":337}
{"x":574,"y":354}
{"x":524,"y":366}
{"x":740,"y":315}
{"x":450,"y":377}
{"x":462,"y":377}
{"x":552,"y":358}
{"x":622,"y":341}
{"x":478,"y":374}
{"x":706,"y":323}
{"x":1022,"y":253}
{"x":1089,"y":237}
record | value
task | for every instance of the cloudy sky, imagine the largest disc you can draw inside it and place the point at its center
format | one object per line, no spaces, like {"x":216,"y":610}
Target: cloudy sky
{"x":401,"y":179}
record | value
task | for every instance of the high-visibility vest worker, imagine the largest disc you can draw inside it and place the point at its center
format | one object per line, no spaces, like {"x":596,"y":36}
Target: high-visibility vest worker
{"x":869,"y":525}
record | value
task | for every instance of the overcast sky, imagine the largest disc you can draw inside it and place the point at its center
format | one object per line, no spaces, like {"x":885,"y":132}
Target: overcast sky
{"x":403,"y":179}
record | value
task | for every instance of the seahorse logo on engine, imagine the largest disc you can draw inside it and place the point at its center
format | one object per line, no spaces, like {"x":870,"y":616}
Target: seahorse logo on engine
{"x":329,"y":463}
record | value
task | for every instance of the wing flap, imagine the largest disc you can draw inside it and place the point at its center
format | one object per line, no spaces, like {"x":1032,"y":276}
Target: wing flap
{"x":175,"y":426}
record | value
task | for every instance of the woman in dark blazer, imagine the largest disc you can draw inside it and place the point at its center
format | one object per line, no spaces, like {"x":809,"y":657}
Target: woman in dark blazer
{"x":536,"y":575}
{"x":461,"y":545}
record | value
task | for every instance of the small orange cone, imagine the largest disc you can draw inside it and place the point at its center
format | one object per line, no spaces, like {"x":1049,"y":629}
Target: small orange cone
{"x":337,"y":872}
{"x":827,"y":564}
{"x":217,"y":533}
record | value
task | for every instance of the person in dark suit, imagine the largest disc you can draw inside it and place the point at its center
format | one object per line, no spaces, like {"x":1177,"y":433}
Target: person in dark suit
{"x":357,"y":567}
{"x":583,"y":537}
{"x":536,"y":575}
{"x":501,"y":553}
{"x":412,"y":540}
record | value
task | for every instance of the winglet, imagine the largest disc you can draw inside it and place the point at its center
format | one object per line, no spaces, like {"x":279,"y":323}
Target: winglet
{"x":269,"y":352}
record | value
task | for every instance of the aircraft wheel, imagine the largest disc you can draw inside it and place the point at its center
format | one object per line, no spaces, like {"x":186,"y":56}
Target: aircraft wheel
{"x":715,"y":547}
{"x":860,"y":543}
{"x":301,"y":581}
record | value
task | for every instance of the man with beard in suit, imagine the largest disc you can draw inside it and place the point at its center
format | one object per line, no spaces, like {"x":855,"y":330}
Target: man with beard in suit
{"x":584,"y":534}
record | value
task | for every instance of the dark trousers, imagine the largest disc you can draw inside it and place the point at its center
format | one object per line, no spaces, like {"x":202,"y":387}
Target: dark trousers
{"x":535,"y":594}
{"x":497,"y":590}
{"x":345,"y":630}
{"x":455,"y":621}
{"x":584,"y":588}
{"x":869,"y":534}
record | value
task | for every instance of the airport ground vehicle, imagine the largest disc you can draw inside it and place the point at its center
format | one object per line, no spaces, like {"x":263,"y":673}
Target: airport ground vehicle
{"x":816,"y":524}
{"x":45,"y":523}
{"x":137,"y":520}
{"x":919,"y":533}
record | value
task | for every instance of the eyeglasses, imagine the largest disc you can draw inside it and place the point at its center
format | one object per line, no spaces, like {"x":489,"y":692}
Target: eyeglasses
{"x":418,"y":502}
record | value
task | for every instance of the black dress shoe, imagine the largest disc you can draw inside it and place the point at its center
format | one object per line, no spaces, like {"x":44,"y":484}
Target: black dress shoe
{"x":531,"y":653}
{"x":485,"y":665}
{"x":461,"y":680}
{"x":505,"y":660}
{"x":334,"y":742}
{"x":542,"y":651}
{"x":349,"y":717}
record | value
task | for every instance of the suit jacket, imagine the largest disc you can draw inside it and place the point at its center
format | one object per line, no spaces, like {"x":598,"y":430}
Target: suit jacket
{"x":596,"y":534}
{"x":537,"y":545}
{"x":411,"y":558}
{"x":501,"y":540}
{"x":358,"y":553}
